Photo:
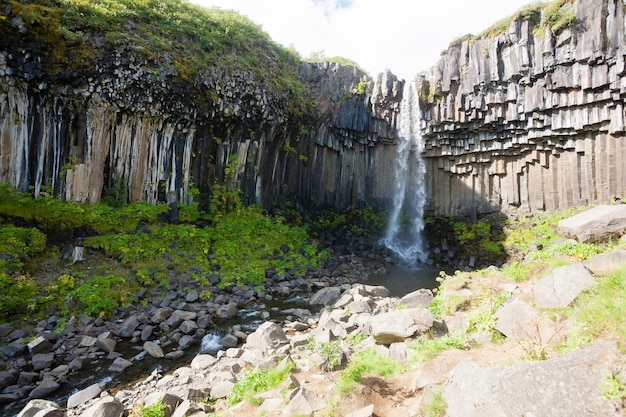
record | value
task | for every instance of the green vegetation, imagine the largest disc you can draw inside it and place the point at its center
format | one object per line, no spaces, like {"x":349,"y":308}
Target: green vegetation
{"x":163,"y":38}
{"x":436,"y":405}
{"x":320,"y":56}
{"x":556,"y":15}
{"x":600,"y":311}
{"x":238,"y":246}
{"x":428,"y":347}
{"x":331,"y":352}
{"x":366,"y":362}
{"x":350,"y":221}
{"x":155,"y":410}
{"x":257,"y":381}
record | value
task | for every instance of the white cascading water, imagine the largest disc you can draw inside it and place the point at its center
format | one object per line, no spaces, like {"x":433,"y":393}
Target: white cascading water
{"x":406,"y":221}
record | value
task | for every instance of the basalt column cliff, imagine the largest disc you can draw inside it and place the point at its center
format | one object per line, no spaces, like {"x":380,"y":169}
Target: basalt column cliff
{"x":530,"y":120}
{"x":82,"y":113}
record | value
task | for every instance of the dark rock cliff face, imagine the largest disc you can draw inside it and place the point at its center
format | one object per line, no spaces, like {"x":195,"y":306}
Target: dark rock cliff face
{"x":523,"y":121}
{"x":132,"y":128}
{"x":530,"y":121}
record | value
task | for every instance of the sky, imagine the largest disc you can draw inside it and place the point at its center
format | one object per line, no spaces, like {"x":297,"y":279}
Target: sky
{"x":405,"y":36}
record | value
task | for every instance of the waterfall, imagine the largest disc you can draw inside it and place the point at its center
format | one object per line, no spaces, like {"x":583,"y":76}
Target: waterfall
{"x":406,"y":221}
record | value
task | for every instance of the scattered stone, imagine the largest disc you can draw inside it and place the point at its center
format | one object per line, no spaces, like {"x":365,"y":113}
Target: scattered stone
{"x":595,"y":224}
{"x":41,"y":408}
{"x":398,"y":325}
{"x":45,"y":387}
{"x":221,"y":389}
{"x":267,"y":338}
{"x":419,"y":298}
{"x":604,"y":264}
{"x":227,"y":311}
{"x":42,"y":361}
{"x":106,"y":344}
{"x":562,"y":286}
{"x":533,"y":388}
{"x":105,"y":407}
{"x":84,"y":395}
{"x":363,"y":412}
{"x":326,"y":296}
{"x":120,"y":364}
{"x":39,"y":345}
{"x":153,"y":349}
{"x":202,"y":361}
{"x":128,"y":326}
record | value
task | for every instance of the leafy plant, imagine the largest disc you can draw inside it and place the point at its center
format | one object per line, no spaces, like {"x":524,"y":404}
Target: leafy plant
{"x":331,"y":352}
{"x":154,"y":410}
{"x":366,"y":362}
{"x":436,"y":405}
{"x":614,"y":388}
{"x":258,"y":380}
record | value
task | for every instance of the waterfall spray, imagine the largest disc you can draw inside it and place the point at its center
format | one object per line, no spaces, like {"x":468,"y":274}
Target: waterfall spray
{"x":406,"y":220}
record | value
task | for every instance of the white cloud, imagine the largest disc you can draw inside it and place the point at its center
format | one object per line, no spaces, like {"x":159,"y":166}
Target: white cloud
{"x":402,"y":35}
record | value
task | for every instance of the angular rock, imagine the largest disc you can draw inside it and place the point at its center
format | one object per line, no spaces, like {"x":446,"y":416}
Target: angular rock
{"x":161,"y":314}
{"x":562,"y":286}
{"x":569,"y":385}
{"x":153,"y":349}
{"x":267,"y":338}
{"x":419,"y":298}
{"x":41,"y":408}
{"x":221,"y":389}
{"x":376,"y":291}
{"x":84,"y":395}
{"x":7,"y":378}
{"x":227,"y":311}
{"x":517,"y":319}
{"x":363,"y":412}
{"x":39,"y":345}
{"x":202,"y":361}
{"x":326,"y":296}
{"x":146,"y":332}
{"x":119,"y":365}
{"x":188,"y":326}
{"x":106,"y":344}
{"x":45,"y":388}
{"x":229,"y":341}
{"x":398,"y":325}
{"x":105,"y":407}
{"x":595,"y":224}
{"x":128,"y":326}
{"x":304,"y":402}
{"x":42,"y":361}
{"x":604,"y":264}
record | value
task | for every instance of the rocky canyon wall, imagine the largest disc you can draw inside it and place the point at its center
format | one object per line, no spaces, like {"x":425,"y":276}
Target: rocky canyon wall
{"x":529,"y":120}
{"x":130,"y":128}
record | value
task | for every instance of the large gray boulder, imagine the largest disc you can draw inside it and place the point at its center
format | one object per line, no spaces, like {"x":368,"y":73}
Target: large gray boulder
{"x":562,"y":286}
{"x":606,"y":263}
{"x":595,"y":224}
{"x":570,"y":385}
{"x":398,"y":325}
{"x":105,"y":407}
{"x":267,"y":338}
{"x":84,"y":395}
{"x":41,"y":408}
{"x":326,"y":296}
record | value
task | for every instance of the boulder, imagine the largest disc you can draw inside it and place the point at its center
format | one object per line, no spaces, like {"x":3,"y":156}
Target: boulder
{"x":518,"y":319}
{"x":45,"y":388}
{"x":227,"y":311}
{"x":153,"y":349}
{"x":606,"y":263}
{"x":188,"y":326}
{"x":363,"y":412}
{"x":41,"y":408}
{"x":569,"y":385}
{"x":7,"y":378}
{"x":562,"y":286}
{"x":83,"y":396}
{"x":202,"y":361}
{"x":221,"y":389}
{"x":128,"y":326}
{"x":595,"y":224}
{"x":106,"y":344}
{"x":267,"y":338}
{"x":326,"y":296}
{"x":42,"y":361}
{"x":419,"y":298}
{"x":304,"y":402}
{"x":398,"y":325}
{"x":39,"y":345}
{"x":105,"y":407}
{"x":120,"y":364}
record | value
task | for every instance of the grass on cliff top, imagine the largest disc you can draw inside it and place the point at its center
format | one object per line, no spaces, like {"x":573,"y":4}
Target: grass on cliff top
{"x":555,"y":15}
{"x":196,"y":37}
